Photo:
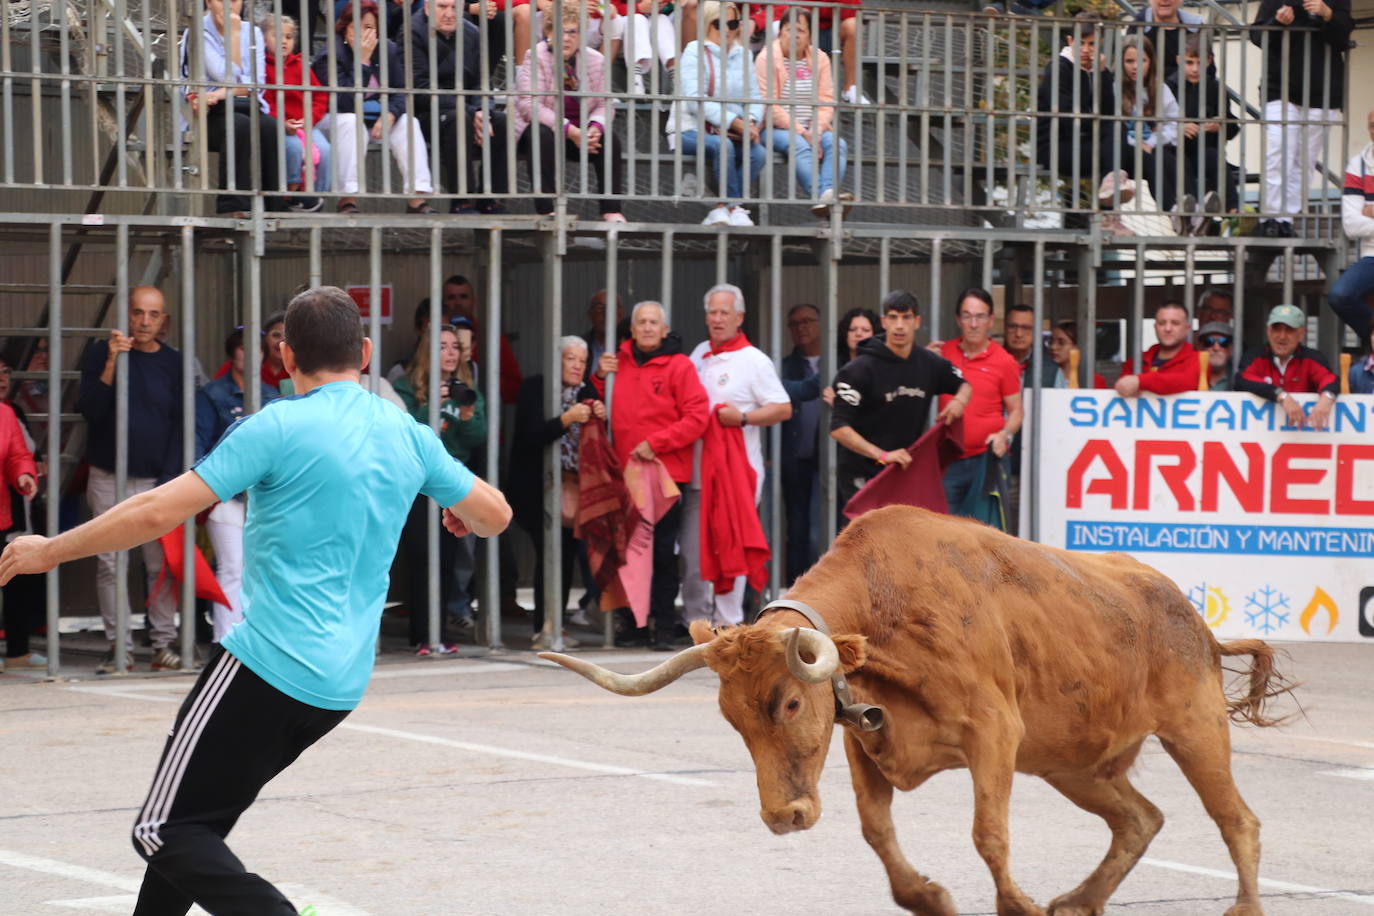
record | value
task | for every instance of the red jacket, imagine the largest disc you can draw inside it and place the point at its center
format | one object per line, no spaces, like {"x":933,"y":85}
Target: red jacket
{"x":18,"y":460}
{"x":293,"y":73}
{"x":1174,"y":377}
{"x":661,"y":401}
{"x":1306,"y":371}
{"x":732,"y":541}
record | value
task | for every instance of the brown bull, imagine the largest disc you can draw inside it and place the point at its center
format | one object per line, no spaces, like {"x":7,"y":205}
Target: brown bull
{"x":991,"y":653}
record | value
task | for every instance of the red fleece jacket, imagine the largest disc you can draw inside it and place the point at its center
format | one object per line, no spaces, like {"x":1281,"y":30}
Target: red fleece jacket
{"x":1174,"y":377}
{"x":662,"y":402}
{"x":732,"y":541}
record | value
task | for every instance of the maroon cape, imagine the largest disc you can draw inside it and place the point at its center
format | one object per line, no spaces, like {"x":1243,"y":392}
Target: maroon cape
{"x":919,"y":483}
{"x":603,"y":508}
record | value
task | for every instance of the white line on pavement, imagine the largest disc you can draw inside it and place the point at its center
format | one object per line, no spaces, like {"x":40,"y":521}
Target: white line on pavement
{"x":1269,"y":883}
{"x":1350,"y":773}
{"x":69,"y":871}
{"x":526,"y":755}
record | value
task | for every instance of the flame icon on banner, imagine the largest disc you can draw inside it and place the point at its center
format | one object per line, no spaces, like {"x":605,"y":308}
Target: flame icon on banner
{"x":1321,"y":601}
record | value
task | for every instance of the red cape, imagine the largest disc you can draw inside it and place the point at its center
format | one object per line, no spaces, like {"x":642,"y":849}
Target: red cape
{"x":603,"y":511}
{"x":732,"y":541}
{"x":919,"y":483}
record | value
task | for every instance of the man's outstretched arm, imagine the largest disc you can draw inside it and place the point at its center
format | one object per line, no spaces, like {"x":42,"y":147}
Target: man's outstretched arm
{"x":135,"y":521}
{"x":483,"y":512}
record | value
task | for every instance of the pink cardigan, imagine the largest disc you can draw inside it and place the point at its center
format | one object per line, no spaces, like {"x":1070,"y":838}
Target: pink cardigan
{"x":772,"y":85}
{"x":550,"y":108}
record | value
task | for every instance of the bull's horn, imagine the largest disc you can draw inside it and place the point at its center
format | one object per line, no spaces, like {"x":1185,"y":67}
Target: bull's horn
{"x":816,"y":644}
{"x":635,"y":685}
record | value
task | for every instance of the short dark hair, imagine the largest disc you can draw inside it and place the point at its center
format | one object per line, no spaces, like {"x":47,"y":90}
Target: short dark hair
{"x":325,"y":331}
{"x":803,"y":305}
{"x":1197,"y":46}
{"x":274,"y":319}
{"x":795,"y":14}
{"x":1173,"y":304}
{"x":457,"y":280}
{"x":422,"y":314}
{"x":1088,"y":23}
{"x":899,"y":300}
{"x":1070,"y":328}
{"x":233,"y":342}
{"x":975,"y":292}
{"x":1020,"y":307}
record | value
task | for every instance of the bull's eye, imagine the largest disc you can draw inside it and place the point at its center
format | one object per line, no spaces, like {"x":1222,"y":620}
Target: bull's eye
{"x":793,"y":705}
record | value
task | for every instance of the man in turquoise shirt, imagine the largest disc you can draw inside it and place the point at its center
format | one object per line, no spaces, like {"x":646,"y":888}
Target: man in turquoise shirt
{"x":330,"y":475}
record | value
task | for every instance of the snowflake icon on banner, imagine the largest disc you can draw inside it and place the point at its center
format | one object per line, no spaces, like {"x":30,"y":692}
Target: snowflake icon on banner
{"x":1266,"y":609}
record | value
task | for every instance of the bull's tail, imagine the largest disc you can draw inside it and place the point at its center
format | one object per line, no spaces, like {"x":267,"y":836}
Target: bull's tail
{"x":1248,"y":696}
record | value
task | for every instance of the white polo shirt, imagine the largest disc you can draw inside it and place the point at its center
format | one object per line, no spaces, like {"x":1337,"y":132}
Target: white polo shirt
{"x":746,"y":380}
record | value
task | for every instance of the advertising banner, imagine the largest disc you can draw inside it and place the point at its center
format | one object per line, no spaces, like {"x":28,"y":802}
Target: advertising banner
{"x":1268,"y":529}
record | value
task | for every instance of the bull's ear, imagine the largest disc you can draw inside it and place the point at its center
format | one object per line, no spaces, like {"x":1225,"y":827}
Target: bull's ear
{"x":853,"y":651}
{"x":701,"y":632}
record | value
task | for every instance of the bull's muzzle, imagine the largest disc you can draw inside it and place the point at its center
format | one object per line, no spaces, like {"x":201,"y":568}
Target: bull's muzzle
{"x":801,"y":814}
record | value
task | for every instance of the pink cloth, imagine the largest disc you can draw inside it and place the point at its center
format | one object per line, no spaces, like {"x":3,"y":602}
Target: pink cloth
{"x":652,"y":494}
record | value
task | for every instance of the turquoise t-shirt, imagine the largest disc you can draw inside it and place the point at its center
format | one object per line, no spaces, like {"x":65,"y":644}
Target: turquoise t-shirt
{"x":330,"y":477}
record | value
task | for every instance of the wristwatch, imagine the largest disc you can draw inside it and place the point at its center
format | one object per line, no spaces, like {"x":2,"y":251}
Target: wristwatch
{"x":1279,"y":395}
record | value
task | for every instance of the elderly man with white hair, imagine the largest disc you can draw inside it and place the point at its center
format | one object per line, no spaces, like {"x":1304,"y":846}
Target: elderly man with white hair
{"x":742,"y":379}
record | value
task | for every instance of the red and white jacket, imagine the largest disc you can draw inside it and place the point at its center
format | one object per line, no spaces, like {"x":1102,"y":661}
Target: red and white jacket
{"x":1359,"y":193}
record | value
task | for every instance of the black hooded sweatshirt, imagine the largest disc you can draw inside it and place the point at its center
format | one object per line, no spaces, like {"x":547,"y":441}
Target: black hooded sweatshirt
{"x":886,"y":399}
{"x":1315,"y":51}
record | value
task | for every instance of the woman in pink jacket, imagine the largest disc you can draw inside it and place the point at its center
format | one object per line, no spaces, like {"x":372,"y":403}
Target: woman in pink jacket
{"x":21,"y":473}
{"x":582,"y":123}
{"x":795,"y":73}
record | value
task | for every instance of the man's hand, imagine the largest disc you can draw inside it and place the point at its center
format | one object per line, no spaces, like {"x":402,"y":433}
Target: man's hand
{"x":119,"y":343}
{"x":599,"y":410}
{"x":1317,"y":8}
{"x":480,"y":129}
{"x":26,"y":485}
{"x":1369,"y":210}
{"x":378,"y":126}
{"x":578,"y":413}
{"x":828,"y":396}
{"x":729,"y":416}
{"x":953,"y":411}
{"x":25,"y":556}
{"x":934,"y":346}
{"x":1293,"y":411}
{"x":455,"y":525}
{"x":1128,"y":386}
{"x":1321,"y":412}
{"x":1212,"y":127}
{"x":899,"y":456}
{"x":607,"y":364}
{"x":644,"y":451}
{"x":999,"y":442}
{"x":1190,"y":131}
{"x":1284,"y":16}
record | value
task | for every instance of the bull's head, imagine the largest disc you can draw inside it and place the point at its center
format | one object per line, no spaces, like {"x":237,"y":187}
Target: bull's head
{"x":775,"y":690}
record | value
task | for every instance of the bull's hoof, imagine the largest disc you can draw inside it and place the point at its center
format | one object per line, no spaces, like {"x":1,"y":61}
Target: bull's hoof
{"x":1073,"y":905}
{"x":929,"y":900}
{"x":1246,"y":909}
{"x":1018,"y":906}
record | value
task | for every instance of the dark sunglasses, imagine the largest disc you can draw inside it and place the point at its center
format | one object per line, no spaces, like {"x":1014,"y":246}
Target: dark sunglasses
{"x":1216,"y":341}
{"x":730,"y":24}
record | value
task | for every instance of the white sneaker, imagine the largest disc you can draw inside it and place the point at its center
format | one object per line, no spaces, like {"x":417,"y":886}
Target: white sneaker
{"x":821,"y":208}
{"x":855,"y":96}
{"x":579,"y":618}
{"x":637,"y":83}
{"x":740,"y":217}
{"x":718,"y":216}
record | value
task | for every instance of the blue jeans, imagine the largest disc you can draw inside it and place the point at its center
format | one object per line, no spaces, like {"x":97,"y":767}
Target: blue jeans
{"x":803,"y":160}
{"x":295,"y":158}
{"x":1347,"y":297}
{"x":959,"y":478}
{"x":715,"y":145}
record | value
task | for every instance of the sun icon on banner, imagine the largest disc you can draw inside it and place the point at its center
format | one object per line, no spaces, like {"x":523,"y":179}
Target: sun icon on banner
{"x":1211,"y":603}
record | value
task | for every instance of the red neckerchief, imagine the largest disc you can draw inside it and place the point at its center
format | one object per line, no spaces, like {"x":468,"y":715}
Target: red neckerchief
{"x":738,"y":342}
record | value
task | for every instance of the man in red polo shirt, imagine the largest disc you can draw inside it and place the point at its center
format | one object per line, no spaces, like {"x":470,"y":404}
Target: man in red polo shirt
{"x":1170,"y":366}
{"x":994,"y":414}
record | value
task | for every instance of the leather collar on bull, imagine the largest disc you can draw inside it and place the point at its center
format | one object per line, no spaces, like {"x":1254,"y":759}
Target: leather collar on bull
{"x":862,"y":716}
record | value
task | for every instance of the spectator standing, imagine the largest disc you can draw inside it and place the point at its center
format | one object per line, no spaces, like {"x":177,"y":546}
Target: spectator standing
{"x":24,"y":596}
{"x":1216,"y":304}
{"x":856,"y":326}
{"x":1058,"y":368}
{"x":800,"y":459}
{"x":560,"y":60}
{"x":658,"y":412}
{"x":536,"y":429}
{"x":218,"y":405}
{"x":803,"y":128}
{"x":743,"y":390}
{"x":1153,"y":129}
{"x":1209,"y":122}
{"x":1352,"y":288}
{"x":720,"y":67}
{"x":1018,"y":329}
{"x":654,"y":39}
{"x":460,"y":301}
{"x":1167,"y":27}
{"x":271,"y":370}
{"x":1215,"y":338}
{"x":358,"y":45}
{"x":470,"y":139}
{"x":154,"y":454}
{"x":463,"y":431}
{"x":993,"y":413}
{"x":1299,"y":113}
{"x":1362,"y":370}
{"x":234,"y":57}
{"x":290,"y":105}
{"x":882,"y":397}
{"x":1285,"y":367}
{"x":342,"y":467}
{"x":595,"y":335}
{"x":1168,"y":367}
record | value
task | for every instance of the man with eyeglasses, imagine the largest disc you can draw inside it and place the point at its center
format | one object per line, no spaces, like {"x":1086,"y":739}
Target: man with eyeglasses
{"x":1019,"y":335}
{"x":994,"y":413}
{"x":800,"y":459}
{"x":1215,"y":339}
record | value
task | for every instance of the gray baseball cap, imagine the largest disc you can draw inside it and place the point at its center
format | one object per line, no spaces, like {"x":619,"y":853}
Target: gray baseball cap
{"x":1216,"y":327}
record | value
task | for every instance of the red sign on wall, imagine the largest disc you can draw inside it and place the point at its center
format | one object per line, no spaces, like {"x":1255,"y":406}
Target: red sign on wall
{"x":363,"y":296}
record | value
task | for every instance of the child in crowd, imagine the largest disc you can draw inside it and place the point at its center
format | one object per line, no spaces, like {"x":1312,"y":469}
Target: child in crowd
{"x":1209,"y":122}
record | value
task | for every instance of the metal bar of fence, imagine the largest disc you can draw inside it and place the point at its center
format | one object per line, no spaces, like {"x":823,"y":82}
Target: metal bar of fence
{"x":829,"y":251}
{"x":610,"y":345}
{"x":121,"y":469}
{"x":491,"y":585}
{"x":188,"y":436}
{"x":551,"y":466}
{"x":1037,"y":408}
{"x":775,"y":314}
{"x":64,"y":51}
{"x":54,"y":430}
{"x":7,"y":100}
{"x":433,"y":396}
{"x":35,"y":97}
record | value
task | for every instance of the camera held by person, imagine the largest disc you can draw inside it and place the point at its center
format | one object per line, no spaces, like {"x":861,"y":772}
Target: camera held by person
{"x":460,"y":394}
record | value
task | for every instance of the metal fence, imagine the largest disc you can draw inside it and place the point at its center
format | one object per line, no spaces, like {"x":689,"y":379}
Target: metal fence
{"x":969,"y":119}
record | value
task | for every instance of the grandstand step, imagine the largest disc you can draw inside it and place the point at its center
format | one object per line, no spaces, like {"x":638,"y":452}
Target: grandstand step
{"x":43,"y":332}
{"x":73,"y":289}
{"x":65,"y":417}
